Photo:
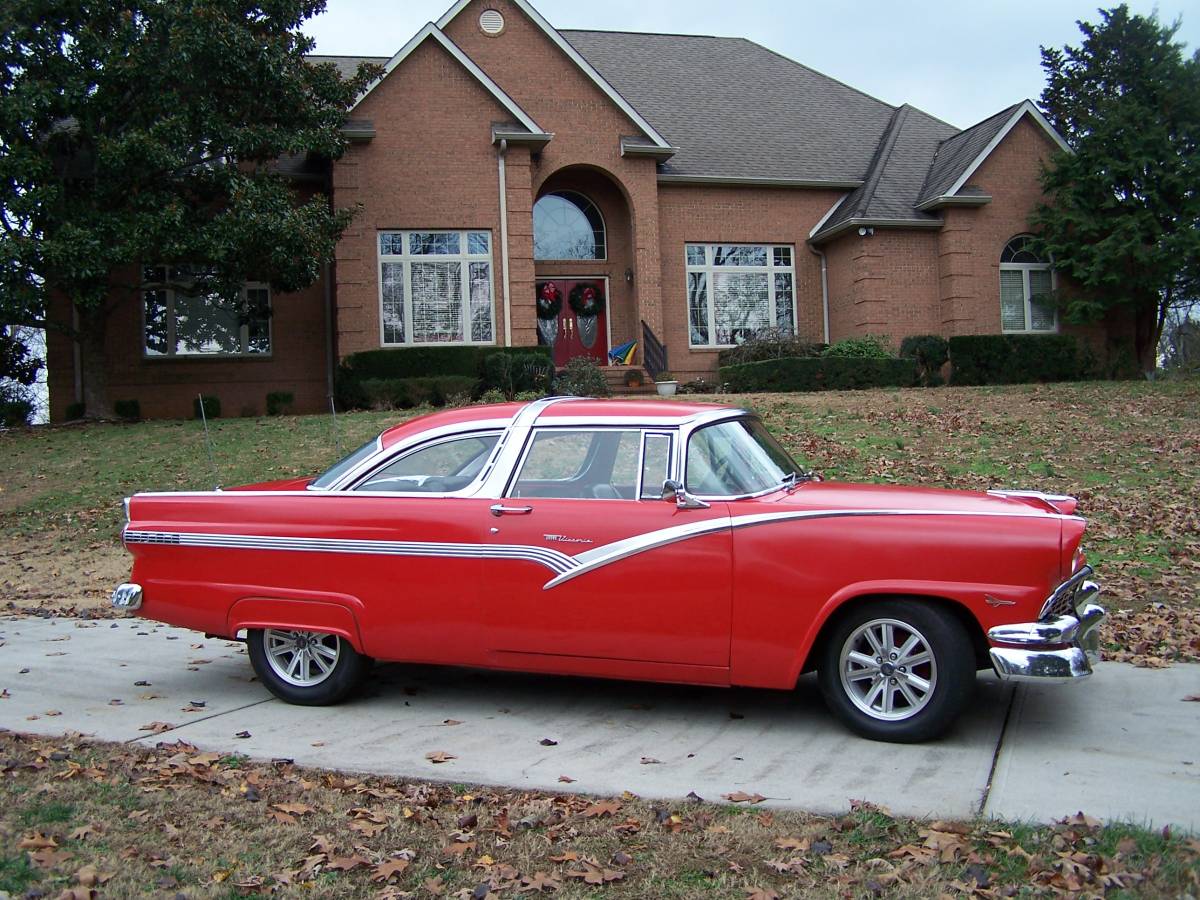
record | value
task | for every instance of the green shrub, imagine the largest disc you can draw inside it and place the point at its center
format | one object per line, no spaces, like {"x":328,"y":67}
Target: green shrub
{"x":279,"y":402}
{"x":931,"y":351}
{"x":517,"y":373}
{"x":15,"y":412}
{"x":75,"y":411}
{"x":1015,"y":358}
{"x":582,"y":378}
{"x":405,"y":393}
{"x":491,"y":395}
{"x":129,"y":410}
{"x":828,"y":373}
{"x":769,"y":343}
{"x":415,"y":362}
{"x":212,"y":407}
{"x":867,"y":347}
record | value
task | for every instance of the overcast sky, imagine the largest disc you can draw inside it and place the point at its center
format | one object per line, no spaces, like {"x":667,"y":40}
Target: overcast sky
{"x":960,"y":60}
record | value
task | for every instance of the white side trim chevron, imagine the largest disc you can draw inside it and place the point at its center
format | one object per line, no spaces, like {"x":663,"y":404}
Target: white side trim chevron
{"x":563,"y":566}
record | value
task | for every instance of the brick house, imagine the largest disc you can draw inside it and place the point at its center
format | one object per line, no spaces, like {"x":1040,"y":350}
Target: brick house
{"x":704,"y":188}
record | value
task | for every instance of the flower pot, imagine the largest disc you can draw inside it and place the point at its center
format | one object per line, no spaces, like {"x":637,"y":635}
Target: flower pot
{"x":666,"y":388}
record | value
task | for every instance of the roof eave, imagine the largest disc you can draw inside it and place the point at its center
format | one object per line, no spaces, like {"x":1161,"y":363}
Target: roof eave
{"x":755,"y":181}
{"x":533,"y":139}
{"x":653,"y":151}
{"x":948,"y":200}
{"x":871,"y":222}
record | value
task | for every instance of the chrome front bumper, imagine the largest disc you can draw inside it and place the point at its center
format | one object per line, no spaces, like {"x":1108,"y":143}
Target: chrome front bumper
{"x":127,"y":596}
{"x":1058,"y":648}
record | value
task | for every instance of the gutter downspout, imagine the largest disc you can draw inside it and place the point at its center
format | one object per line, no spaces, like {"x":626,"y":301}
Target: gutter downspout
{"x":824,"y":289}
{"x":330,"y":352}
{"x":504,"y":244}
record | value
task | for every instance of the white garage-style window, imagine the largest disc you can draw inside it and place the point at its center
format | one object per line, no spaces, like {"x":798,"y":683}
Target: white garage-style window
{"x":435,"y":287}
{"x":735,"y":291}
{"x":1024,"y":278}
{"x":181,"y":318}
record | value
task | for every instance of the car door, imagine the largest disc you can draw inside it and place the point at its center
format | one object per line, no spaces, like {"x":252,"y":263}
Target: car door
{"x":603,"y":568}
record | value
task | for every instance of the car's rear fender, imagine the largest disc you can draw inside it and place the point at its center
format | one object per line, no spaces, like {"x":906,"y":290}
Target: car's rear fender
{"x":296,"y":614}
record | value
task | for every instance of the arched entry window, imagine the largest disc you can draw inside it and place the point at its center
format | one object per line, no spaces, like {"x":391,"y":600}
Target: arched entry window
{"x":1024,"y":278}
{"x":567,"y":225}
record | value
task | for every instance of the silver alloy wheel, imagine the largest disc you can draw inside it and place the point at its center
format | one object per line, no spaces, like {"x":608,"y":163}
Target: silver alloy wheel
{"x":888,"y":670}
{"x":302,"y":658}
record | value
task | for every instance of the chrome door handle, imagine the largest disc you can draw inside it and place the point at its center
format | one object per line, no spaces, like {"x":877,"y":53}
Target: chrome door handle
{"x":501,"y":510}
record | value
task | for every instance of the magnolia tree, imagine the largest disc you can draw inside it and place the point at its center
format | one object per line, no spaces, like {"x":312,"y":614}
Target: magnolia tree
{"x":1123,"y":219}
{"x":136,"y":133}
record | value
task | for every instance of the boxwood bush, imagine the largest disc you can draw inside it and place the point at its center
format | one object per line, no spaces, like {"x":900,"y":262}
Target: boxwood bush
{"x":768,"y":344}
{"x":826,"y":373}
{"x":405,"y":393}
{"x":1015,"y":358}
{"x":930,"y":352}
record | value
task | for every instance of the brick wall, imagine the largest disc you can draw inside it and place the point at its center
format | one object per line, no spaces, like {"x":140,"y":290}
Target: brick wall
{"x":735,"y":215}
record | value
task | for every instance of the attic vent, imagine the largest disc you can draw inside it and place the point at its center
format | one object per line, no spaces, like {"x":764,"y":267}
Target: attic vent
{"x":491,"y":22}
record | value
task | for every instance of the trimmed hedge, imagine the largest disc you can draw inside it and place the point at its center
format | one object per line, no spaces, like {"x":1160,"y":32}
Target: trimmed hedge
{"x":279,"y":402}
{"x":1015,"y":358}
{"x":827,"y":373}
{"x":931,"y":351}
{"x":769,"y":344}
{"x":128,"y":410}
{"x":415,"y":362}
{"x":405,"y":393}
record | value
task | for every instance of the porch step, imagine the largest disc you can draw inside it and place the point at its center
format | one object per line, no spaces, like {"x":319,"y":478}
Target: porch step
{"x":616,"y":375}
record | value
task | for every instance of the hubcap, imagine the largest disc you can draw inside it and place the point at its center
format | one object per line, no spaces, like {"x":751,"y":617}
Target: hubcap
{"x":888,"y":670}
{"x":302,"y":658}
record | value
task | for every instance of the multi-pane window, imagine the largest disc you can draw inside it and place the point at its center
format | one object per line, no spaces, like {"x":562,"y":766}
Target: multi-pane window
{"x":181,"y":318}
{"x":435,"y":287}
{"x":1026,"y":282}
{"x":735,"y":291}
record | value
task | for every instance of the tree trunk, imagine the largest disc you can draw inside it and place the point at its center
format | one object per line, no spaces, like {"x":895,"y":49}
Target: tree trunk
{"x":1147,"y":329}
{"x":93,"y":362}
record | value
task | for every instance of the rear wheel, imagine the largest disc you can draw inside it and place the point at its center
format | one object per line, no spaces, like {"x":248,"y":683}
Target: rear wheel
{"x":897,"y":670}
{"x":310,"y":668}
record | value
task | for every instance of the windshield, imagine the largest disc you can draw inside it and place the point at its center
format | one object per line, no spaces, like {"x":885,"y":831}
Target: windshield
{"x":345,"y":464}
{"x":737,"y":457}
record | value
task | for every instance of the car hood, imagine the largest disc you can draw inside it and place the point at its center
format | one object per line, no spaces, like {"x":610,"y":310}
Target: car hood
{"x":835,"y":495}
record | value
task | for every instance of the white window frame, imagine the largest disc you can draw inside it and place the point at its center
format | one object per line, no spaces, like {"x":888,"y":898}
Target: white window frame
{"x":770,"y":269}
{"x":463,"y":258}
{"x":1025,"y":269}
{"x":243,"y":331}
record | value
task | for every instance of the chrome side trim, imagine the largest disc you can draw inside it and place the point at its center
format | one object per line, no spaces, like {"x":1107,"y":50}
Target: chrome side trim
{"x":1075,"y":581}
{"x":553,"y":560}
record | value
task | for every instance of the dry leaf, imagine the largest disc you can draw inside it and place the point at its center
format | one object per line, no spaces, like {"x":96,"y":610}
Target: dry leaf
{"x":742,"y":797}
{"x":388,"y":870}
{"x":439,"y":756}
{"x":566,"y":779}
{"x":157,"y":727}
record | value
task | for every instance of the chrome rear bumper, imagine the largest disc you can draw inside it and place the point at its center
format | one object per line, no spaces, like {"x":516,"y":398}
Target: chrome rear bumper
{"x":1060,"y":648}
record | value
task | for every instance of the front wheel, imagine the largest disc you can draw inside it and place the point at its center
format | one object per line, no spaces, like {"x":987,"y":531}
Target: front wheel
{"x":897,"y":670}
{"x":309,"y":668}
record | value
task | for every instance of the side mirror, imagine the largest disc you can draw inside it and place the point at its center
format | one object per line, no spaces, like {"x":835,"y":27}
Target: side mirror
{"x":675,"y":492}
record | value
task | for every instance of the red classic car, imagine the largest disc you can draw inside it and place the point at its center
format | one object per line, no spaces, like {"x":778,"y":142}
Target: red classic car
{"x":659,"y":541}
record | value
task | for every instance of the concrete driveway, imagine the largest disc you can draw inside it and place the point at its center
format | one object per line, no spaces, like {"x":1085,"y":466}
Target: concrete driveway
{"x":1122,"y":746}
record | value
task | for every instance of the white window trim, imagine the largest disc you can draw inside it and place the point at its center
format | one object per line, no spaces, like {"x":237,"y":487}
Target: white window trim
{"x":709,"y":269}
{"x":1025,"y":269}
{"x":463,"y":258}
{"x":243,"y":331}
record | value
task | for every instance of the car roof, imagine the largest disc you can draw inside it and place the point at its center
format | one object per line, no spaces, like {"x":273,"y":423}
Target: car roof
{"x":561,"y":410}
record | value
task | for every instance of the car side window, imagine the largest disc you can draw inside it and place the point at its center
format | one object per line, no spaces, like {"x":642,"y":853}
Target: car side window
{"x":600,"y":464}
{"x":656,"y":464}
{"x":439,"y":468}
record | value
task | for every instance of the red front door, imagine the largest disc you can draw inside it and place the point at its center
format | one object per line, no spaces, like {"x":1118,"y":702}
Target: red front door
{"x":571,"y":333}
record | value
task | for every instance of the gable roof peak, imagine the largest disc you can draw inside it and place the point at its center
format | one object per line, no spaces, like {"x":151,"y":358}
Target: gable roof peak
{"x":432,"y":32}
{"x":571,"y":53}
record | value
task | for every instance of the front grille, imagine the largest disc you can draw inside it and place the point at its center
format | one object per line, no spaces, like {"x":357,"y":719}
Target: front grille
{"x":1062,"y":601}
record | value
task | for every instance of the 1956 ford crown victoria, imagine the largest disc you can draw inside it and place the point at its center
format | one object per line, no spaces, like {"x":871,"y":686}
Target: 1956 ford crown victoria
{"x":644,"y":540}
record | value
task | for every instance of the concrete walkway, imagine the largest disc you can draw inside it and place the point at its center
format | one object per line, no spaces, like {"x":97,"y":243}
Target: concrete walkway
{"x":1121,"y":746}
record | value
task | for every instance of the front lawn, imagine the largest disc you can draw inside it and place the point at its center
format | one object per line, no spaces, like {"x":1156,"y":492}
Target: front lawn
{"x":1130,"y":451}
{"x":127,"y":820}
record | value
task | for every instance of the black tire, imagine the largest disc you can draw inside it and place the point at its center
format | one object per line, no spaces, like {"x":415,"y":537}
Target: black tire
{"x":347,"y":668}
{"x":851,"y":686}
